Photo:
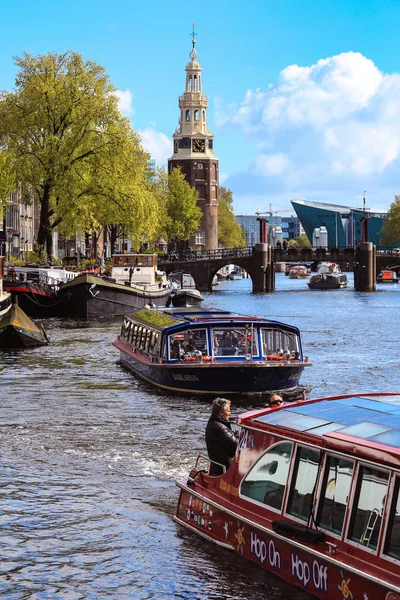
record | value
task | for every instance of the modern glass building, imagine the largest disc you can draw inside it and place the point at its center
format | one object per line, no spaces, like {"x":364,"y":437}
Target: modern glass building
{"x":343,"y":224}
{"x":290,"y":226}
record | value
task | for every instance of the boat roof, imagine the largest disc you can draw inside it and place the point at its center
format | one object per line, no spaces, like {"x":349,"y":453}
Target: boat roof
{"x":366,"y":425}
{"x":218,"y":316}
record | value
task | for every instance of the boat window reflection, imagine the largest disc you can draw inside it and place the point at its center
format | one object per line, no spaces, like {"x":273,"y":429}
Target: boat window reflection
{"x":266,"y":481}
{"x":303,"y":483}
{"x":335,"y":493}
{"x":392,"y":545}
{"x":368,"y":506}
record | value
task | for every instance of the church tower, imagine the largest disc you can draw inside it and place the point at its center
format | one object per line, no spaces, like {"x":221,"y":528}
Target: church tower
{"x":193,"y":153}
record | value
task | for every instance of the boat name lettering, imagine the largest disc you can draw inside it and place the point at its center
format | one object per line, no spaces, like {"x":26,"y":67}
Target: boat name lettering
{"x":301,"y":569}
{"x":229,"y":488}
{"x":184,"y":377}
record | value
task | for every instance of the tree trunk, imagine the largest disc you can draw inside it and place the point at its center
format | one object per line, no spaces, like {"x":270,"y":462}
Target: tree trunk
{"x":45,"y":239}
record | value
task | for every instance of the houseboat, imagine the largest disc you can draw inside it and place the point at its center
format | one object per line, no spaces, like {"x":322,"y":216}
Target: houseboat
{"x":328,"y":277}
{"x":210,"y":351}
{"x":36,"y":289}
{"x":312,"y":495}
{"x":387,"y":276}
{"x":5,"y":297}
{"x":134,"y":283}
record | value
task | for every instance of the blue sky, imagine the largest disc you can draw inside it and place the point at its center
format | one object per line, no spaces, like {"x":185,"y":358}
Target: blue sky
{"x":304,"y":96}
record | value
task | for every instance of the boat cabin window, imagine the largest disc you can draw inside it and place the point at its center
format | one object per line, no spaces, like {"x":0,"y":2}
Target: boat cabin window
{"x":302,"y":489}
{"x":278,"y":340}
{"x":266,"y":481}
{"x":188,"y":343}
{"x":234,"y":341}
{"x":368,"y":505}
{"x":392,"y":542}
{"x":335,"y":493}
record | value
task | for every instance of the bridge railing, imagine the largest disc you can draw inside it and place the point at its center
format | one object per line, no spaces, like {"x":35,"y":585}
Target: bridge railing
{"x":225,"y":253}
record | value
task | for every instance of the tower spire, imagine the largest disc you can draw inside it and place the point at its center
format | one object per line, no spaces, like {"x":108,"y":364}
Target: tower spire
{"x":193,"y":53}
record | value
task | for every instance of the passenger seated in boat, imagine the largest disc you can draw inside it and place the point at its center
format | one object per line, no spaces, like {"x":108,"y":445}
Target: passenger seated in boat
{"x":190,"y":346}
{"x":220,"y":439}
{"x":228,"y":344}
{"x":176,"y":350}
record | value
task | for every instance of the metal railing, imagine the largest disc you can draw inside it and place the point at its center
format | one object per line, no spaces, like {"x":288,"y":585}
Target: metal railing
{"x":219,"y":253}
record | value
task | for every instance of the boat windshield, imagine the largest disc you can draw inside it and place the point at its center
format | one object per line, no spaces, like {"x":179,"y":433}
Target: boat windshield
{"x":234,"y":341}
{"x":187,"y":342}
{"x":279,"y":340}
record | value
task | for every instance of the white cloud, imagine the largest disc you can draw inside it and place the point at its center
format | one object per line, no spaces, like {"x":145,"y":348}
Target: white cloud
{"x":271,"y":164}
{"x":223,"y":177}
{"x":334,"y":124}
{"x":125,"y":99}
{"x":157,"y":144}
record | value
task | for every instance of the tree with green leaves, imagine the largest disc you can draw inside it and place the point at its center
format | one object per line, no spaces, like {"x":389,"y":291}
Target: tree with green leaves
{"x":73,"y":152}
{"x":7,"y":178}
{"x":390,"y":232}
{"x":178,"y":204}
{"x":230,"y":234}
{"x":302,"y":241}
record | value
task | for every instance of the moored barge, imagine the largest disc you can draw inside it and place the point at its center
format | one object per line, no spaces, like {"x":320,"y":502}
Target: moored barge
{"x":313,"y":495}
{"x":210,"y":351}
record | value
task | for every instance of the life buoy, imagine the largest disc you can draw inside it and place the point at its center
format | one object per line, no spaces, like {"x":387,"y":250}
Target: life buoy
{"x":275,"y":357}
{"x":189,"y":358}
{"x":208,"y":358}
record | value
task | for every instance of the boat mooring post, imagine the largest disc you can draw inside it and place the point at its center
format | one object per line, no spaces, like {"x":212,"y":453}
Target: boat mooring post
{"x":365,"y":267}
{"x":263,"y":274}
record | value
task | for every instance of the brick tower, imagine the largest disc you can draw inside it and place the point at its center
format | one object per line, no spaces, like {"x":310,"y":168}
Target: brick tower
{"x":193,"y":153}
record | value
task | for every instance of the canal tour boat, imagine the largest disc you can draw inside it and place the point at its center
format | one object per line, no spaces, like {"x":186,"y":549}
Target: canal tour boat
{"x":211,"y":351}
{"x":134,"y":283}
{"x":328,"y":277}
{"x":312,"y":495}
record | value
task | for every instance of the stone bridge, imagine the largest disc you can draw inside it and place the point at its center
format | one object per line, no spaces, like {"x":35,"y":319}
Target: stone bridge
{"x":259,"y":262}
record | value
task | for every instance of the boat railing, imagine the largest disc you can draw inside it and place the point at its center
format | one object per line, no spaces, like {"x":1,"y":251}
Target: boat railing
{"x":208,"y":461}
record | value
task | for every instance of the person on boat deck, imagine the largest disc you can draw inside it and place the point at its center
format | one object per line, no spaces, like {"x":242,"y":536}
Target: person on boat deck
{"x":228,"y":340}
{"x":220,"y":439}
{"x":275,"y":401}
{"x":190,"y":346}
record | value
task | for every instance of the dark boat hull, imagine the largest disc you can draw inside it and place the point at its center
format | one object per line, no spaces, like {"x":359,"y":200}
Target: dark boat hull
{"x":88,"y":296}
{"x":327,"y":282}
{"x":18,"y":331}
{"x":35,"y":299}
{"x":213,"y":378}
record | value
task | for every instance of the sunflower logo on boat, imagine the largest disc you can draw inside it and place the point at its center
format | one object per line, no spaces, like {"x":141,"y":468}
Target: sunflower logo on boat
{"x":344,"y":587}
{"x":240,"y":539}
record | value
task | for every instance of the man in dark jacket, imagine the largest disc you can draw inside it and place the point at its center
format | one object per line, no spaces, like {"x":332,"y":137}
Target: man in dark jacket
{"x":220,"y":439}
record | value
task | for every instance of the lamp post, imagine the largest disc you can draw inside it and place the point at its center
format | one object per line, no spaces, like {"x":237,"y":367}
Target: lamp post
{"x":9,"y":235}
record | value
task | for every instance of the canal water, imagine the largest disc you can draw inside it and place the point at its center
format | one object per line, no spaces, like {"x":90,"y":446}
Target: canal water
{"x":89,"y":454}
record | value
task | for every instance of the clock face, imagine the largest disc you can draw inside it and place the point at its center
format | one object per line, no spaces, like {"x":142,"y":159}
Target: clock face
{"x":199,"y":146}
{"x":175,"y":146}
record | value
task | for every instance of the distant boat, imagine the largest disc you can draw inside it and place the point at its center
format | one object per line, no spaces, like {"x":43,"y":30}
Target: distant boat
{"x":234,"y":275}
{"x":328,"y":277}
{"x":299,"y":272}
{"x":186,"y":297}
{"x":387,"y":276}
{"x":17,"y":330}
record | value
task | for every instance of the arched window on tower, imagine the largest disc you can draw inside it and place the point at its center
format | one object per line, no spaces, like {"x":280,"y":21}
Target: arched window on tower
{"x":188,"y":115}
{"x":196,"y":115}
{"x":204,"y":116}
{"x":196,"y":84}
{"x":190,"y":83}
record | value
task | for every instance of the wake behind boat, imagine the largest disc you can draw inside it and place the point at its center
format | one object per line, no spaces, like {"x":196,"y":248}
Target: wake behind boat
{"x":312,"y":495}
{"x":210,"y":351}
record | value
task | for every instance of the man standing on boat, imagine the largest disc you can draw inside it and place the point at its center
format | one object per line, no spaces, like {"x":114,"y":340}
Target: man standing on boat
{"x":220,"y":439}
